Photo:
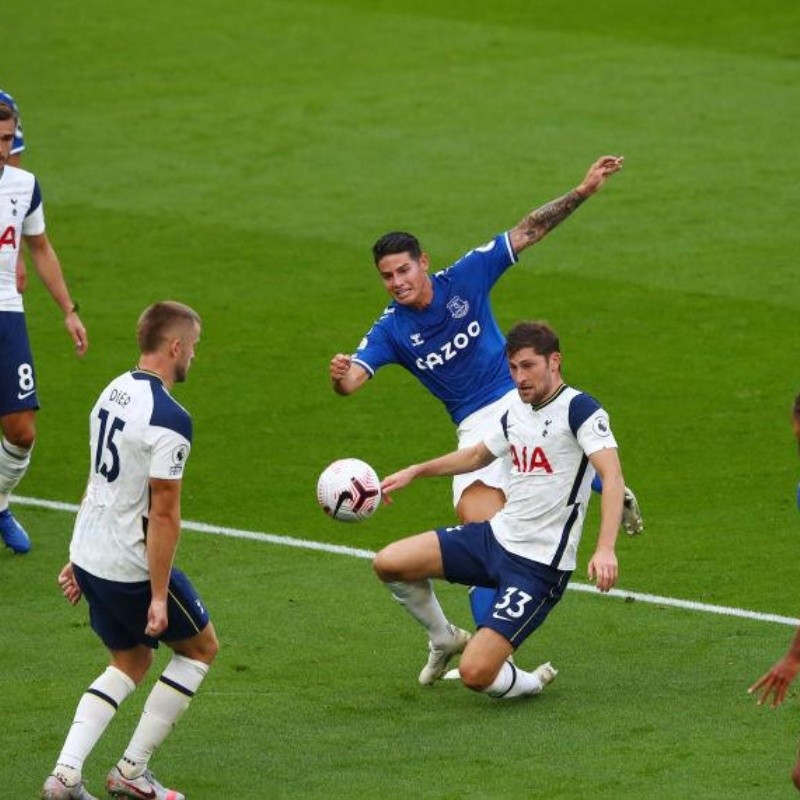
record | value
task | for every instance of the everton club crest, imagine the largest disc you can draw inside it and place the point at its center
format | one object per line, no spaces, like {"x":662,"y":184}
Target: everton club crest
{"x":457,"y":307}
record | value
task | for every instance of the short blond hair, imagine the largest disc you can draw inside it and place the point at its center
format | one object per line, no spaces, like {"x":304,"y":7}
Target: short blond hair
{"x":159,"y":320}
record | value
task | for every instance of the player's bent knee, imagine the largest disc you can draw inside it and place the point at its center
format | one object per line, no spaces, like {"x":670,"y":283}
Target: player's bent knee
{"x":208,"y":651}
{"x":796,"y":774}
{"x":23,"y":437}
{"x":379,"y":567}
{"x":385,"y":566}
{"x":474,"y":676}
{"x":26,"y":441}
{"x":206,"y":645}
{"x":202,"y":647}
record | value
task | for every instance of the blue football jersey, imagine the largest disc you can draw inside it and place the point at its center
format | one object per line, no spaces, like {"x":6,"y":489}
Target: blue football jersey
{"x":454,"y":347}
{"x":18,"y":145}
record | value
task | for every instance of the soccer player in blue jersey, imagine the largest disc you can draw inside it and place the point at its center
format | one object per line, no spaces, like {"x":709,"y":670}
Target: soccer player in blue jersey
{"x":442,"y":330}
{"x":22,"y":218}
{"x":550,"y":439}
{"x":776,"y":682}
{"x":121,"y":559}
{"x":17,"y":146}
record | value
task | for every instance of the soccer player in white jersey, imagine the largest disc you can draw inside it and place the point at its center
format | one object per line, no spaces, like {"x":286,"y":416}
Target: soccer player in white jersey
{"x":121,"y":559}
{"x":442,"y":330}
{"x":551,"y":439}
{"x":22,"y":217}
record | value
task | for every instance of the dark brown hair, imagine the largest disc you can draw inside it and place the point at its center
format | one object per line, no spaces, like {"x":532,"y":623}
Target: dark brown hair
{"x":537,"y":335}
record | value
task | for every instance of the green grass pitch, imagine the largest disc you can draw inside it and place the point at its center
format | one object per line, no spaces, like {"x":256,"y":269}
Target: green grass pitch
{"x":243,"y":159}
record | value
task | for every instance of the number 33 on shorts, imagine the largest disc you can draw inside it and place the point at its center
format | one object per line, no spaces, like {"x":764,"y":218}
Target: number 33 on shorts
{"x":512,"y":605}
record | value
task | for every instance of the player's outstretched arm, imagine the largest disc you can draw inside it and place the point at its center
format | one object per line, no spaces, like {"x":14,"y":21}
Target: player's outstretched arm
{"x":540,"y":222}
{"x":346,"y":377}
{"x":456,"y":463}
{"x":777,"y":681}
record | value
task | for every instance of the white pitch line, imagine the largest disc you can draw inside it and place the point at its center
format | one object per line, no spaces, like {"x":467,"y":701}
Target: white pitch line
{"x":305,"y":544}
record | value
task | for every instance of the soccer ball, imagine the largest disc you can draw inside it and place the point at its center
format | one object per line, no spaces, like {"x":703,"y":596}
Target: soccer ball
{"x":349,"y":490}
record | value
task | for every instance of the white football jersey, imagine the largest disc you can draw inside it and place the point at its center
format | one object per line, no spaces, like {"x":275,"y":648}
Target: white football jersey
{"x":550,"y":482}
{"x":21,"y":212}
{"x":137,"y":432}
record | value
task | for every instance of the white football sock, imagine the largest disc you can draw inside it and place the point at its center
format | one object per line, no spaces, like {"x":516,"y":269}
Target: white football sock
{"x":420,"y":601}
{"x":95,"y":710}
{"x":511,"y":682}
{"x":167,"y":701}
{"x":14,"y":463}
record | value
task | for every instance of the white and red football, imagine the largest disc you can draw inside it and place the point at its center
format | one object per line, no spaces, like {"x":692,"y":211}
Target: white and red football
{"x":349,"y":490}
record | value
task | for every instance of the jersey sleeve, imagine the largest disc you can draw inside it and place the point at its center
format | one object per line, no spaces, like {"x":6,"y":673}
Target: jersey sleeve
{"x":589,"y":423}
{"x":497,"y":439}
{"x":33,"y":224}
{"x":171,"y":436}
{"x":485,"y":264}
{"x":376,"y":349}
{"x":170,"y":452}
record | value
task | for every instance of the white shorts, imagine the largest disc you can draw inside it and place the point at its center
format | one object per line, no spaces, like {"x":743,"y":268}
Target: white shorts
{"x":474,"y":429}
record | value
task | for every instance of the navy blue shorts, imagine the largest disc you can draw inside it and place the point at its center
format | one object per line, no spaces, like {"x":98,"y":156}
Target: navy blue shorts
{"x":118,"y":611}
{"x":17,"y":375}
{"x":526,"y":590}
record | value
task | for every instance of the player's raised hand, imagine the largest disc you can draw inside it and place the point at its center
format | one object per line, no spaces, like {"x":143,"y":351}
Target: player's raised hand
{"x":340,"y":365}
{"x":604,"y":167}
{"x":603,"y":568}
{"x":776,"y":682}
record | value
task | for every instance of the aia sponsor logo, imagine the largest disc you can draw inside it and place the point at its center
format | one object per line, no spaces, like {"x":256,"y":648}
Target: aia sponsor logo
{"x":530,"y":459}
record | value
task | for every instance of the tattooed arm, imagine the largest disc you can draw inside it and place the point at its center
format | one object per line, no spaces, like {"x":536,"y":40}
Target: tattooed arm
{"x":541,"y":221}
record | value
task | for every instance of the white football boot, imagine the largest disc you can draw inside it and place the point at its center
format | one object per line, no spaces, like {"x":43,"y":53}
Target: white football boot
{"x":438,"y":657}
{"x":145,"y":787}
{"x":546,"y":673}
{"x":55,"y":789}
